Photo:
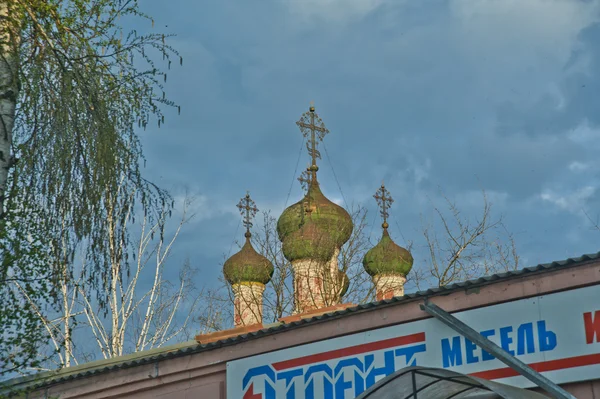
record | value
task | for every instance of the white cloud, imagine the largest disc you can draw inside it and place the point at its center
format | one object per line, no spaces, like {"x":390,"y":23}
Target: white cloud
{"x":552,"y":24}
{"x":474,"y":198}
{"x":521,"y":41}
{"x":572,"y":202}
{"x":418,"y":170}
{"x":332,"y":10}
{"x":421,"y":172}
{"x":585,"y":135}
{"x":577,"y":166}
{"x":202,"y":207}
{"x":338,"y":201}
{"x":555,"y":92}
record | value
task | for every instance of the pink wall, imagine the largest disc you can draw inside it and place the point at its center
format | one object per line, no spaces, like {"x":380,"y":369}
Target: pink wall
{"x":202,"y":375}
{"x":581,"y":390}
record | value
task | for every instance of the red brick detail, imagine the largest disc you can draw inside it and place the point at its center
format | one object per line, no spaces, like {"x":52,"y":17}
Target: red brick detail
{"x":233,"y":332}
{"x":315,"y":312}
{"x":237,"y":317}
{"x":381,"y":295}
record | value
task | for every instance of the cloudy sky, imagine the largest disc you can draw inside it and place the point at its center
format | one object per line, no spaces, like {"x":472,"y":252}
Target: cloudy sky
{"x":430,"y":95}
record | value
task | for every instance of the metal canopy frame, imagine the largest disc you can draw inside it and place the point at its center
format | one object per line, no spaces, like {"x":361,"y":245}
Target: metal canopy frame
{"x":416,"y":390}
{"x":417,"y":382}
{"x":493,"y":349}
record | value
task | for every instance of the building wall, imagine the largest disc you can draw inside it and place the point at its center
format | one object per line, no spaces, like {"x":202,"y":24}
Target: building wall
{"x":202,"y":375}
{"x":581,"y":390}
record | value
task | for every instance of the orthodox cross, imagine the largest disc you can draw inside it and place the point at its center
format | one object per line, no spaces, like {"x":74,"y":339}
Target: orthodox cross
{"x":248,"y":210}
{"x":384,"y":200}
{"x":311,"y":124}
{"x":304,"y":178}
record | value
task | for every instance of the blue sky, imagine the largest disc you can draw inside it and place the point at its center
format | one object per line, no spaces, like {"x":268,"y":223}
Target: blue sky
{"x":453,"y":95}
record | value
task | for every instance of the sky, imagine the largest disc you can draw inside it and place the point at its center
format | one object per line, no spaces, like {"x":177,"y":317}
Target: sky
{"x":436,"y":97}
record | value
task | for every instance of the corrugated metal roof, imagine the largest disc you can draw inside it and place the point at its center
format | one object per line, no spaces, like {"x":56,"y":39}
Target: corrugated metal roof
{"x":192,"y":347}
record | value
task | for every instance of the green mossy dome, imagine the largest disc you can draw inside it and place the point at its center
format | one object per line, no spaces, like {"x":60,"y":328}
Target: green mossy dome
{"x":308,"y":242}
{"x":328,"y":216}
{"x":248,"y":266}
{"x":387,"y":257}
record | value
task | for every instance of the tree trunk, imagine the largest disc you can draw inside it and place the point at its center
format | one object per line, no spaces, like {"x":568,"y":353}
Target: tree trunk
{"x":67,"y":315}
{"x":9,"y":44}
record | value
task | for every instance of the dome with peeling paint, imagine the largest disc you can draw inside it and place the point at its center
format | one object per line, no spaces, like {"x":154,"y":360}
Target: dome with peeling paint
{"x":248,"y":266}
{"x":308,"y":242}
{"x":387,"y":257}
{"x":329,"y":217}
{"x":344,"y":282}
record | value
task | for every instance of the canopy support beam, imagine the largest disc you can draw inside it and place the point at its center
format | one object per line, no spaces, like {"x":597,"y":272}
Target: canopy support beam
{"x":490,"y":347}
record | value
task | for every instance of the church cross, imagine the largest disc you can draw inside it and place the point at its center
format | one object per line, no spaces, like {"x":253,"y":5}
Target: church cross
{"x":305,"y":179}
{"x":248,"y":210}
{"x":312,"y":126}
{"x":384,"y":200}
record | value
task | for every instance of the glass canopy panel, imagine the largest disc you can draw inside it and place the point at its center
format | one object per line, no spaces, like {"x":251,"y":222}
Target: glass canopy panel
{"x":429,"y":383}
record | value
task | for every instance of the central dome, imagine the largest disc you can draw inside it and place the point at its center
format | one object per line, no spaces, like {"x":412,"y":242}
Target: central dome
{"x":308,"y":242}
{"x":329,"y":217}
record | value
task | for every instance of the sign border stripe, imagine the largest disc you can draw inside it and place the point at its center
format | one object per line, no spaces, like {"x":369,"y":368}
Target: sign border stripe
{"x":350,"y":351}
{"x":548,"y":365}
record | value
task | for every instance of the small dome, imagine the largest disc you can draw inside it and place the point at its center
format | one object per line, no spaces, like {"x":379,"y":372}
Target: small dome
{"x":248,"y":266}
{"x":387,"y":258}
{"x":345,"y":282}
{"x":308,"y":242}
{"x":340,"y":285}
{"x":328,"y":216}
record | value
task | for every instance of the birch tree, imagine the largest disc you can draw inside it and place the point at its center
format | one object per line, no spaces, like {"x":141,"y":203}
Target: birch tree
{"x":25,"y":258}
{"x":10,"y":38}
{"x":595,"y":223}
{"x":149,"y":318}
{"x":145,"y":308}
{"x":75,"y":86}
{"x":461,"y":248}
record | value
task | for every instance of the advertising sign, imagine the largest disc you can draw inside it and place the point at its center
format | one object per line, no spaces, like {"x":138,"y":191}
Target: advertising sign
{"x":557,"y":334}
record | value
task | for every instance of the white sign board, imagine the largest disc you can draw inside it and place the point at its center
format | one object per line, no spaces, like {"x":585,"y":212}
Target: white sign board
{"x":556,"y":334}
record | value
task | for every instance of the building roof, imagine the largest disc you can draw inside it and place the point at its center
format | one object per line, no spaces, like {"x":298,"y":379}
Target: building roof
{"x":192,"y":347}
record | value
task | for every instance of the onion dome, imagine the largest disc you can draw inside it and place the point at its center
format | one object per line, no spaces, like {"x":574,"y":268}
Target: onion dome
{"x":247,"y":265}
{"x":387,"y":257}
{"x":328,"y":216}
{"x":308,"y":242}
